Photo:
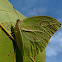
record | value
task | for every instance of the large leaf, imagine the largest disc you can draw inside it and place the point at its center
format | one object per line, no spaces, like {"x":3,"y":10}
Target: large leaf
{"x":6,"y":47}
{"x":34,"y":34}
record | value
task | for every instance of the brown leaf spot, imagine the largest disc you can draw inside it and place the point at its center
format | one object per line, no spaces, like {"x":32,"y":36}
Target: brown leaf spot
{"x":8,"y":55}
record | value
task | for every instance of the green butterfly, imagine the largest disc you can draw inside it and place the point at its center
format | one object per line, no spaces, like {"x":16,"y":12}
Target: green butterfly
{"x":33,"y":34}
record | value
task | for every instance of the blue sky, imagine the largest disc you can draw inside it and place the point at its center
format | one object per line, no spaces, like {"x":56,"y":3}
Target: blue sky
{"x":51,"y":8}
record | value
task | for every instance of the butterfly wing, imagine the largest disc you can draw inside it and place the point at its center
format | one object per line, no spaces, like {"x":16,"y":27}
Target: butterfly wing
{"x":39,"y":29}
{"x":35,"y":33}
{"x":41,"y":57}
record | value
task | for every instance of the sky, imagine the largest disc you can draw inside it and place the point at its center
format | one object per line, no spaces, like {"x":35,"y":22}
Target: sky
{"x":51,"y":8}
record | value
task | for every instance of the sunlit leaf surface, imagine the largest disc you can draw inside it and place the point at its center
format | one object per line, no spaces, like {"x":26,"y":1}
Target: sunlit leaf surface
{"x":6,"y":48}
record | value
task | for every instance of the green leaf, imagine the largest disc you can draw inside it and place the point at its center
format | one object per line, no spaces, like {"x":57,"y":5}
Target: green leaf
{"x":6,"y":48}
{"x":34,"y":33}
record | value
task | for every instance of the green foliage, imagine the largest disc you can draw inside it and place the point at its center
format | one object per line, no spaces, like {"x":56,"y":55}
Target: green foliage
{"x":6,"y":48}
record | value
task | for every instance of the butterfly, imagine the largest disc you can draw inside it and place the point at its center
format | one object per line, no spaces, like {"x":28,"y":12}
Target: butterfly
{"x":33,"y":34}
